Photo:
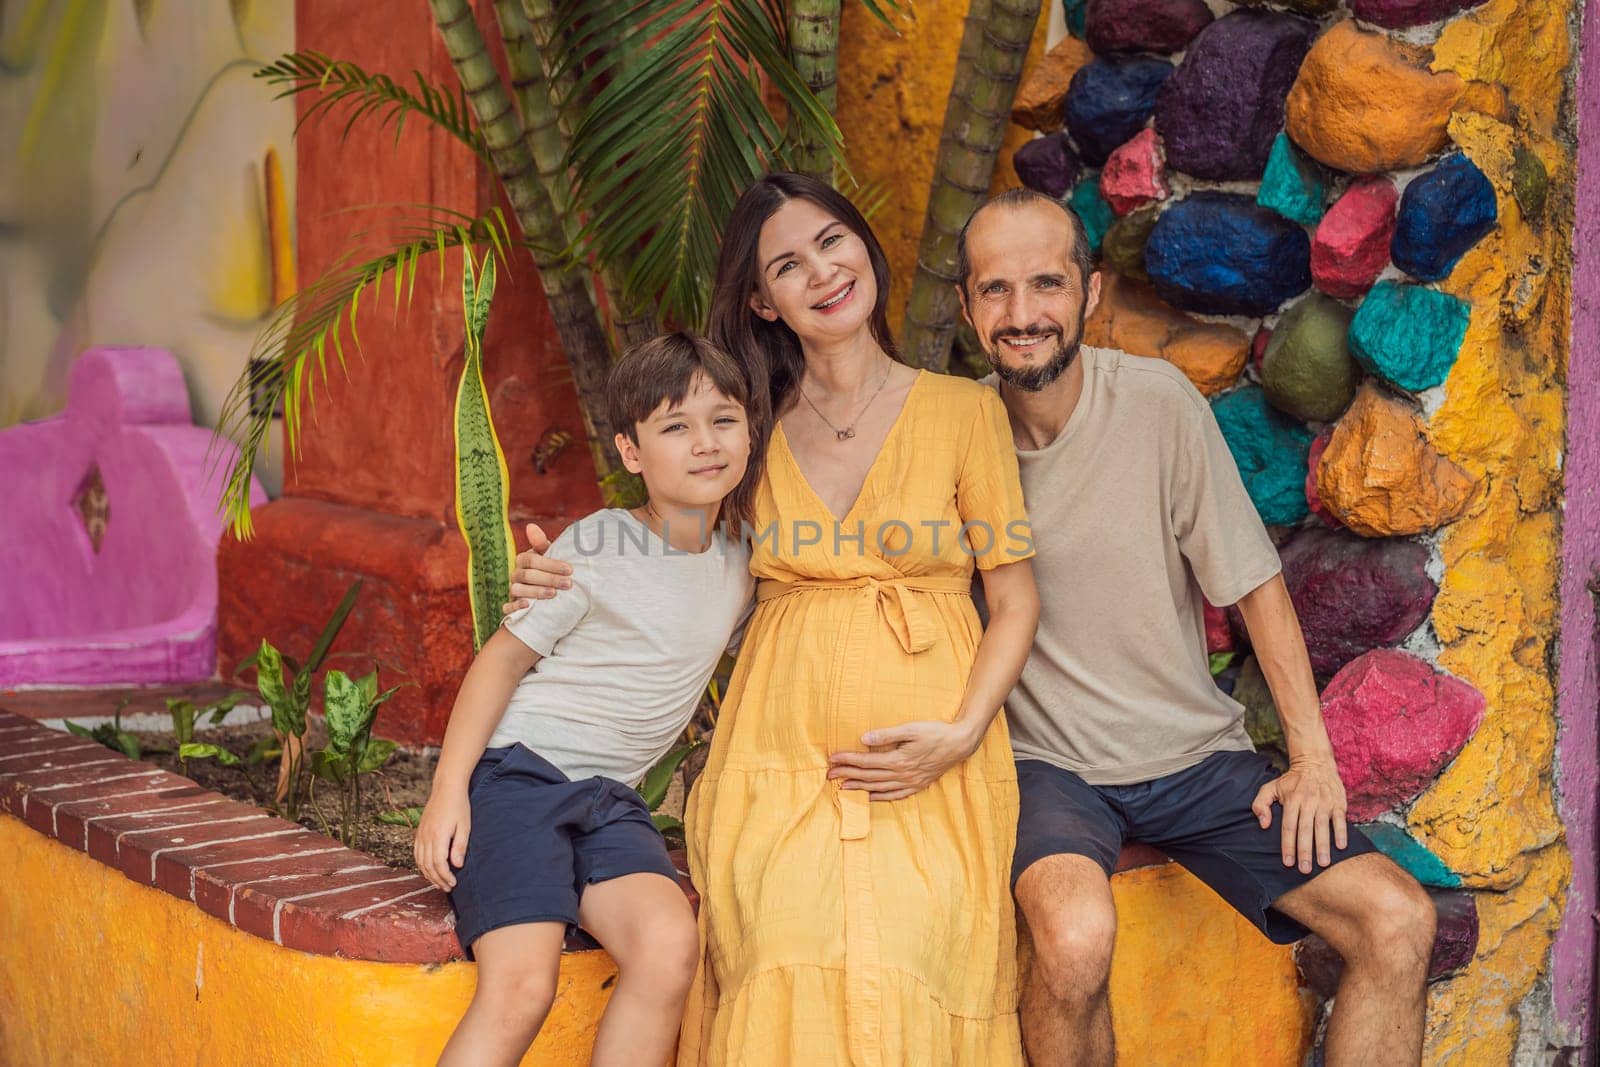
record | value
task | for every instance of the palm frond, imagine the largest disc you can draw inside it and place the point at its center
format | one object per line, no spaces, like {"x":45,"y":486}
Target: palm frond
{"x":292,"y":351}
{"x":675,"y":127}
{"x":339,"y":81}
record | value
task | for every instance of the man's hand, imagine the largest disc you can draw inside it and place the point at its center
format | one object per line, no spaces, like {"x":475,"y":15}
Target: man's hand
{"x":917,"y":754}
{"x":441,"y":839}
{"x":535,"y":576}
{"x":1313,"y":802}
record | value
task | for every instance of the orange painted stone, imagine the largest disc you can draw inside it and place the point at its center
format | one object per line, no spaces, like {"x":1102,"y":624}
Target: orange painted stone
{"x":1381,"y":476}
{"x":1038,"y":102}
{"x":1133,"y":318}
{"x":1365,"y":102}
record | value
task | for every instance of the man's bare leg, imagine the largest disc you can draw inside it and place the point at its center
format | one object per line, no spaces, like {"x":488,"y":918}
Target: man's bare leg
{"x":1066,"y":1005}
{"x":1382,"y":922}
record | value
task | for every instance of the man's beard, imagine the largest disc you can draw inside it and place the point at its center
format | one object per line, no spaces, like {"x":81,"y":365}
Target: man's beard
{"x":1034,"y":378}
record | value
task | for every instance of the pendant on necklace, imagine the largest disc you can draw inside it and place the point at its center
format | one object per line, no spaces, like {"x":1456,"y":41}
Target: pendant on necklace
{"x":845,"y":434}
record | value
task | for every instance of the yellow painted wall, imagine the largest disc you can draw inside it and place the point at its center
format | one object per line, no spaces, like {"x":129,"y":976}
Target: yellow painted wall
{"x":95,"y":969}
{"x":134,"y":188}
{"x":98,"y":970}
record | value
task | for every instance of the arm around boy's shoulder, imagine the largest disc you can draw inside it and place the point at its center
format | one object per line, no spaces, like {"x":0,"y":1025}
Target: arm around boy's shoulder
{"x":544,"y":622}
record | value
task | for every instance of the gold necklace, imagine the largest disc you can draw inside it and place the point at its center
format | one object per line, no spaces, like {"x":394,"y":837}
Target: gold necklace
{"x":850,"y":431}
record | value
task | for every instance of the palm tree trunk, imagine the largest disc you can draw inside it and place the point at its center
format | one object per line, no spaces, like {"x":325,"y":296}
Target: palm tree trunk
{"x":565,"y":283}
{"x":630,"y":323}
{"x":994,"y":44}
{"x":814,"y":50}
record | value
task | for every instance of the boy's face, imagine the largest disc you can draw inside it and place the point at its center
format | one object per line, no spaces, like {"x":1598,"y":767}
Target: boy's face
{"x":693,"y":453}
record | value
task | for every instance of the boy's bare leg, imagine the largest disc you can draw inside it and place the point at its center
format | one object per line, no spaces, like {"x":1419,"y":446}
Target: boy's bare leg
{"x":517,"y":967}
{"x":1066,"y":1003}
{"x":645,"y":922}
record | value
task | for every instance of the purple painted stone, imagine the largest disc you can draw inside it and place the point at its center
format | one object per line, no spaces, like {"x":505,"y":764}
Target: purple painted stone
{"x":1047,"y":165}
{"x":1163,"y":26}
{"x":1353,"y":594}
{"x":1222,"y":108}
{"x":1394,"y":723}
{"x":1455,"y":942}
{"x":1400,"y":14}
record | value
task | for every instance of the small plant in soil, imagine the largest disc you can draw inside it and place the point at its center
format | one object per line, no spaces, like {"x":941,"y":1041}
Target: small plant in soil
{"x":350,"y":706}
{"x":110,"y":734}
{"x":185,"y":713}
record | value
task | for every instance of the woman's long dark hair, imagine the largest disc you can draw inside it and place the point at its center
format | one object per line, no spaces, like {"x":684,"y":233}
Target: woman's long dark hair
{"x":770,"y":351}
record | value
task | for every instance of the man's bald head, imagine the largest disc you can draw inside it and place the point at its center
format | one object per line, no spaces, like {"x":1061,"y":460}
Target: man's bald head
{"x":1010,"y":200}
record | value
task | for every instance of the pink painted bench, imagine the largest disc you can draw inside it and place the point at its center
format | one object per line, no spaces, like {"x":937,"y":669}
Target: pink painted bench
{"x":109,"y":531}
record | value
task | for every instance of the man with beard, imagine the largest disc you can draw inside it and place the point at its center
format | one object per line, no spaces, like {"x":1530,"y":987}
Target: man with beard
{"x":1120,"y":735}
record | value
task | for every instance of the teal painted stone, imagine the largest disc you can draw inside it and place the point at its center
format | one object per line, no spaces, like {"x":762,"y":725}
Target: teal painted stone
{"x":1270,"y":450}
{"x":1077,"y":13}
{"x":1294,"y":185}
{"x":1409,"y":335}
{"x":1092,"y":208}
{"x":1529,"y":182}
{"x":1393,"y":841}
{"x":1307,"y":370}
{"x":1122,"y":249}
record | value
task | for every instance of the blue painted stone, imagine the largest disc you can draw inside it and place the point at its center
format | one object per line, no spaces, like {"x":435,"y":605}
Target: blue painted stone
{"x":1218,"y":115}
{"x":1294,"y":185}
{"x":1406,"y":334}
{"x":1222,"y":254}
{"x":1442,"y":214}
{"x":1109,"y":100}
{"x":1092,"y":208}
{"x":1270,"y":450}
{"x":1047,"y":165}
{"x":1393,"y":841}
{"x":1077,"y":12}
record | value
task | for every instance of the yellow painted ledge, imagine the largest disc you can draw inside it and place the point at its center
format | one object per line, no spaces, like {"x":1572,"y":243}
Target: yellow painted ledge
{"x":96,"y":969}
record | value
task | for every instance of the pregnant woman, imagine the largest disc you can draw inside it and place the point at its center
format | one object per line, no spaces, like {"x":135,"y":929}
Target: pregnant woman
{"x":851,"y":834}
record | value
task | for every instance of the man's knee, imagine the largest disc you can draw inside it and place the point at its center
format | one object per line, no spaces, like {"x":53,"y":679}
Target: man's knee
{"x":1393,"y":927}
{"x":1072,"y":951}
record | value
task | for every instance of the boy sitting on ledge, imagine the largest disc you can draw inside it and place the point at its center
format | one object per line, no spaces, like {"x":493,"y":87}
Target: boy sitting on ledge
{"x":572,"y":701}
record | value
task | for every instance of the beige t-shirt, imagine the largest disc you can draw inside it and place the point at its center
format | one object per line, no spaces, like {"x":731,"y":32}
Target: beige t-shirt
{"x":1137,"y":509}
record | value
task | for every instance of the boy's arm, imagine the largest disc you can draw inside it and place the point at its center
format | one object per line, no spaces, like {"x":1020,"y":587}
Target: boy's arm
{"x":441,"y":838}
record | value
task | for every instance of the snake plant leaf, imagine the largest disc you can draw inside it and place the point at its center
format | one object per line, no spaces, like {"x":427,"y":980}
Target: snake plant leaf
{"x":654,"y":787}
{"x":483,"y":485}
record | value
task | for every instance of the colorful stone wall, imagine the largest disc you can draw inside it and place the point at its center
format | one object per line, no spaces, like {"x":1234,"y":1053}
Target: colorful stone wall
{"x":1350,"y":224}
{"x":146,"y":190}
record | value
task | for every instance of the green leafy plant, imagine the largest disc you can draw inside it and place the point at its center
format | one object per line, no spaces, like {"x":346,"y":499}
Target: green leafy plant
{"x":657,"y":781}
{"x":1221,"y":661}
{"x":264,"y":750}
{"x":350,"y":707}
{"x":184,"y":714}
{"x":110,"y":734}
{"x":411,"y":817}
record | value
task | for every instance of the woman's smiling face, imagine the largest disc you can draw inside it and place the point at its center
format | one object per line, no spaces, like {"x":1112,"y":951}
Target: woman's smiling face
{"x":815,"y":274}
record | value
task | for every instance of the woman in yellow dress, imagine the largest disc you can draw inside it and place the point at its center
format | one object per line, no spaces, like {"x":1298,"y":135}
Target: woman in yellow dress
{"x":851,"y":834}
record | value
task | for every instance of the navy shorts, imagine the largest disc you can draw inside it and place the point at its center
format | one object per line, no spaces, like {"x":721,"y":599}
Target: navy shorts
{"x":538,"y":838}
{"x":1199,"y":816}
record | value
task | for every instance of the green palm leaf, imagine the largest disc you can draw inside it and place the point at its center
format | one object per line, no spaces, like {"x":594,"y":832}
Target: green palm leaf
{"x":674,"y":128}
{"x":339,"y":81}
{"x":293,"y":349}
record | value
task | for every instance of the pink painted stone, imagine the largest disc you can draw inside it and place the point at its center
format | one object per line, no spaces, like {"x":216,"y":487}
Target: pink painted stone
{"x":1313,"y":498}
{"x":1258,"y":347}
{"x":1133,"y":175}
{"x":1395,"y":722}
{"x":1351,"y":245}
{"x":1219,"y":638}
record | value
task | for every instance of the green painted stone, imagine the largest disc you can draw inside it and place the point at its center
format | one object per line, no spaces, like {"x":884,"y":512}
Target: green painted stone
{"x":1092,"y":208}
{"x":1077,"y":16}
{"x":1307,"y":370}
{"x":1270,"y":450}
{"x":1294,"y":185}
{"x":1260,"y":712}
{"x":1122,"y":249}
{"x":1412,"y":855}
{"x":1529,"y":182}
{"x":1408,"y":335}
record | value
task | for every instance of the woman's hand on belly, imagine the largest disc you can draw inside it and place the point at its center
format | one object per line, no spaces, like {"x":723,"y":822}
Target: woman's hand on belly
{"x":910,"y":757}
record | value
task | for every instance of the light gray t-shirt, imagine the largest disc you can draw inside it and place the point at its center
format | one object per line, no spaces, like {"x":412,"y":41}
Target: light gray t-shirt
{"x":1138,"y":510}
{"x":627,"y":651}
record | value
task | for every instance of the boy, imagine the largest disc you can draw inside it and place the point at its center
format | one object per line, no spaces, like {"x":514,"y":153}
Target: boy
{"x":573,"y":700}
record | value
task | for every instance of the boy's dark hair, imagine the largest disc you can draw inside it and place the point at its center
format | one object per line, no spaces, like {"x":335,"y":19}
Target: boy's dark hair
{"x":661,"y":370}
{"x":1082,"y":254}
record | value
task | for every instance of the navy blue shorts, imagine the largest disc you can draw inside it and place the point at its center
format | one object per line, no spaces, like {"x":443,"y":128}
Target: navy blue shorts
{"x":538,"y":838}
{"x":1199,"y":816}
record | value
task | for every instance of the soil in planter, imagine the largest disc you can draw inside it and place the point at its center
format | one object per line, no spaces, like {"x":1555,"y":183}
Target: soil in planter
{"x":402,"y":783}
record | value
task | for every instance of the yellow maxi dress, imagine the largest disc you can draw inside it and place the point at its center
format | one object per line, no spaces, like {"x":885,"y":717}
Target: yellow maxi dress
{"x":836,"y":930}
